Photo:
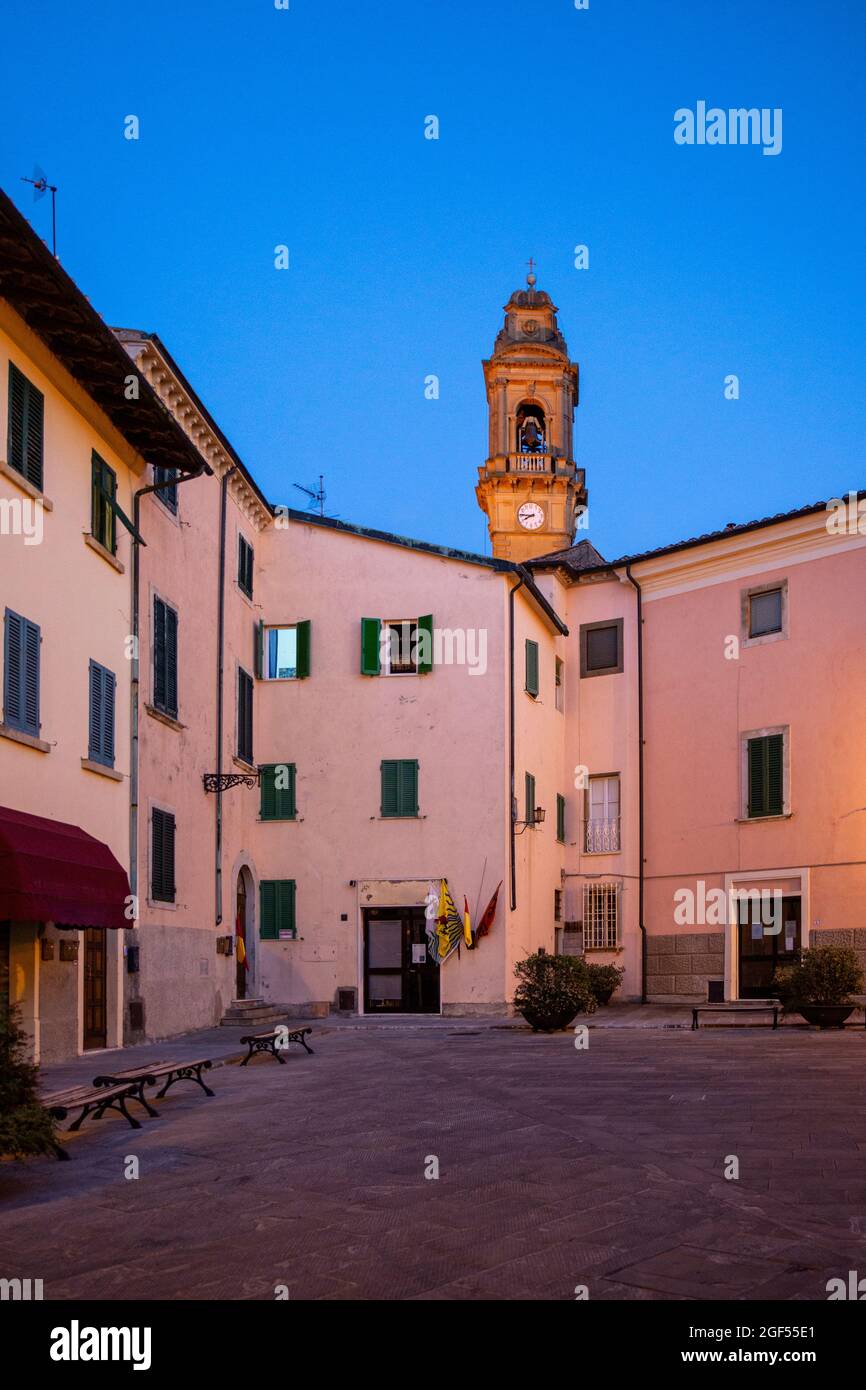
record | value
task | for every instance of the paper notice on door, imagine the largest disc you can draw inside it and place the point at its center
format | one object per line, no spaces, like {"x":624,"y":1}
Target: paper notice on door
{"x":790,"y":935}
{"x":419,"y":954}
{"x":757,"y":929}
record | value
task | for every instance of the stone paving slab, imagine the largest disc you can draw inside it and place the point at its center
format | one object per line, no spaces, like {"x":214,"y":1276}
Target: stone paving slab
{"x":557,"y":1167}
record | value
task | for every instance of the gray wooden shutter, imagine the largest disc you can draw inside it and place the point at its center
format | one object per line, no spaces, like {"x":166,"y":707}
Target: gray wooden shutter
{"x":531,"y":667}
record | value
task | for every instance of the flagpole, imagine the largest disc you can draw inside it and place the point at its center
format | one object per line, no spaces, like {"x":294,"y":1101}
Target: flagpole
{"x":480,"y":886}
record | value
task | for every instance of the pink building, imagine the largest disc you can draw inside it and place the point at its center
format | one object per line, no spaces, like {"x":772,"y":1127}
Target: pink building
{"x":315,"y":724}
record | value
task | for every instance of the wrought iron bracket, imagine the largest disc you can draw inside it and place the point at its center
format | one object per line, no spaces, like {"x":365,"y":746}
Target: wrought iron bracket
{"x":224,"y":781}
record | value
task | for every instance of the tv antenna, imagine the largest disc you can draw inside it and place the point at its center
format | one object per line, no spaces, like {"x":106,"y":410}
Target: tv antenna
{"x":41,"y":186}
{"x":316,"y":495}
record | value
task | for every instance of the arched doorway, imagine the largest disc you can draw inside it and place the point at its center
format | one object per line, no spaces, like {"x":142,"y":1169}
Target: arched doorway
{"x":244,"y":934}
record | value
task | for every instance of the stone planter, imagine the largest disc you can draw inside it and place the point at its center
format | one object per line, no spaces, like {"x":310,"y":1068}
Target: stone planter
{"x":826,"y":1015}
{"x":548,"y":1023}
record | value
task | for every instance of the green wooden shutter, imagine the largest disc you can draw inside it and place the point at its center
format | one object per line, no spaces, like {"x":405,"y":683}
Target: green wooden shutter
{"x":259,"y":650}
{"x":277,"y":908}
{"x":390,"y":788}
{"x":408,"y":792}
{"x":162,"y":886}
{"x":268,"y":927}
{"x":25,"y":436}
{"x":278,"y":803}
{"x":103,"y":493}
{"x":267,"y":785}
{"x":304,"y":649}
{"x":775,"y":774}
{"x":560,"y":818}
{"x":370,"y":655}
{"x":531,"y":667}
{"x":530,"y":798}
{"x":171,"y":661}
{"x":766,"y":775}
{"x":425,"y":626}
{"x":286,"y":907}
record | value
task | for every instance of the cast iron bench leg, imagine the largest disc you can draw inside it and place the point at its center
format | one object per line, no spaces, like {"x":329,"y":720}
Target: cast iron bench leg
{"x":140,"y":1097}
{"x":186,"y":1074}
{"x":299,"y":1037}
{"x":276,"y":1052}
{"x":60,"y":1152}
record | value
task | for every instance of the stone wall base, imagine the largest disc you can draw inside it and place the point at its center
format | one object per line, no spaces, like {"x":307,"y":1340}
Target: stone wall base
{"x":679,"y":967}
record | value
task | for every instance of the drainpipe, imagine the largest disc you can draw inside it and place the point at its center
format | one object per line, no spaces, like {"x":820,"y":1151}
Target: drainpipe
{"x":218,"y":851}
{"x":512,"y":863}
{"x":643,"y":950}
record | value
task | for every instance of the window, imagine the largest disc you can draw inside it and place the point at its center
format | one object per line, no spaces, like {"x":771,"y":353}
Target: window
{"x":283,"y":653}
{"x":601,"y":648}
{"x":765,"y":775}
{"x":559,"y":669}
{"x":529,"y":799}
{"x":399,"y":787}
{"x":21,"y":644}
{"x":560,"y":818}
{"x":162,"y":831}
{"x":397,"y":646}
{"x":602,"y":815}
{"x":245,"y":716}
{"x":764,"y":613}
{"x":165,"y":658}
{"x":245,"y":567}
{"x":26,"y":427}
{"x":557,"y":904}
{"x":101,"y":719}
{"x":278,"y":791}
{"x":600,"y":917}
{"x":531,"y":681}
{"x":277,"y":910}
{"x":167,"y":495}
{"x":103,"y":491}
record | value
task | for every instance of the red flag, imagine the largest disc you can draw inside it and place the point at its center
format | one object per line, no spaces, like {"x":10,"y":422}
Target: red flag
{"x":486,"y":921}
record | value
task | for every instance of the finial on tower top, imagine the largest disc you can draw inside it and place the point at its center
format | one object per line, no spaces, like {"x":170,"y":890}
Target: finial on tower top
{"x":530,"y":279}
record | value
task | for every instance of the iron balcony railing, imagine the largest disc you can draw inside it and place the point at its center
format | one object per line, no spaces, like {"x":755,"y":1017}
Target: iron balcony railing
{"x":601,"y":836}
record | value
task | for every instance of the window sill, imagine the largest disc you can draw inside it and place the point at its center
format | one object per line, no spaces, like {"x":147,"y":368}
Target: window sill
{"x":158,"y":906}
{"x":603,"y":950}
{"x":29,"y":740}
{"x":758,"y":820}
{"x":248,"y":598}
{"x":164,"y":718}
{"x":7,"y":471}
{"x":242,"y":763}
{"x":279,"y":820}
{"x":90,"y":766}
{"x":106,"y":554}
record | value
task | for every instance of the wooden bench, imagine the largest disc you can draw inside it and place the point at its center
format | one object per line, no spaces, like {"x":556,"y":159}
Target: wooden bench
{"x":89,"y":1100}
{"x":169,"y":1072}
{"x":267,"y":1042}
{"x":770,"y":1006}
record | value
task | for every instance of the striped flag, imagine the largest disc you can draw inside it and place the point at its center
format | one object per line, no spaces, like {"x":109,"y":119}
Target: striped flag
{"x":449,"y":927}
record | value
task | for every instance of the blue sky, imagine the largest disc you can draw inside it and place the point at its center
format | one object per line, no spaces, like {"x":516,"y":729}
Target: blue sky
{"x":262,"y":127}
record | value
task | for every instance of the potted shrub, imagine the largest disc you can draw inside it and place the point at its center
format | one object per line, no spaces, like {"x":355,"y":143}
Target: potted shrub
{"x":604,"y":981}
{"x":821,"y":984}
{"x":25,"y":1128}
{"x":551,"y":990}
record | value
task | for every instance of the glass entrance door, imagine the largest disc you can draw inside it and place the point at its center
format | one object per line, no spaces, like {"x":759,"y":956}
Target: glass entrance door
{"x":763,"y":950}
{"x":399,"y":976}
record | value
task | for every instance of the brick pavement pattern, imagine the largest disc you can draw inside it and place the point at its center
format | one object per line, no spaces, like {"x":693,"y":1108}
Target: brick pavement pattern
{"x":558,"y":1168}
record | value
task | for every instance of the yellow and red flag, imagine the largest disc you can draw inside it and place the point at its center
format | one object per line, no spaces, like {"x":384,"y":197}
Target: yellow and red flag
{"x":468,"y":938}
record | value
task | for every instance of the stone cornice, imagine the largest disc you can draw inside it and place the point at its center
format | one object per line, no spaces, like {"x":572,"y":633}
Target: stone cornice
{"x":154,"y":369}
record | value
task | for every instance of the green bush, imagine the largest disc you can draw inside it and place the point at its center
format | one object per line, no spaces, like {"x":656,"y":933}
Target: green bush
{"x":552,"y":989}
{"x":604,"y":981}
{"x":823,"y":975}
{"x":25,"y":1128}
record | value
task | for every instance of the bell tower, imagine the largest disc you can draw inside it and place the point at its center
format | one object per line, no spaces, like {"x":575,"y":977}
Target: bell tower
{"x":529,"y":487}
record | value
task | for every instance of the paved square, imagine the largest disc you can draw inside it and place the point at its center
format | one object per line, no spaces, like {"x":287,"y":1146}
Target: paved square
{"x":557,"y":1168}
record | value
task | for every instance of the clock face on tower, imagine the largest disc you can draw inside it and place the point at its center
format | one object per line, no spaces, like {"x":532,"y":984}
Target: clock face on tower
{"x":530,"y":516}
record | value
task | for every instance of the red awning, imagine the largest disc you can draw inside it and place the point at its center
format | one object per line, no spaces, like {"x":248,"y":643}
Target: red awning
{"x":54,"y":872}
